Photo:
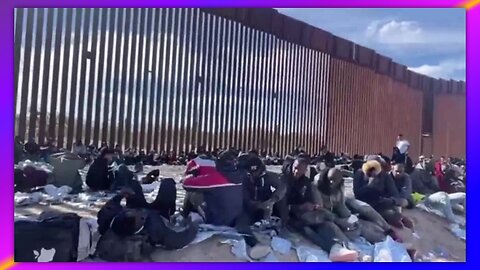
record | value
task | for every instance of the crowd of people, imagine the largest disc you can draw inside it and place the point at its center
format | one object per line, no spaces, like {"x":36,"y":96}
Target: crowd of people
{"x":234,"y":188}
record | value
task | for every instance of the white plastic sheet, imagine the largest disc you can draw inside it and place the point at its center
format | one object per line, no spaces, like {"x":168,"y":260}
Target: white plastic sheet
{"x":239,"y":248}
{"x":87,"y":238}
{"x":363,"y":247}
{"x":390,"y":251}
{"x":38,"y":165}
{"x":23,"y":199}
{"x":281,"y":245}
{"x":459,"y":232}
{"x":458,"y":219}
{"x":57,"y":193}
{"x":270,"y":258}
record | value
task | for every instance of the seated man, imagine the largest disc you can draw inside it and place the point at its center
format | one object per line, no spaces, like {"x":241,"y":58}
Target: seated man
{"x":135,"y":219}
{"x":263,"y":193}
{"x":357,"y":163}
{"x":329,"y":194}
{"x":150,"y":158}
{"x":371,"y":226}
{"x":403,"y":183}
{"x":182,"y":158}
{"x":99,"y":175}
{"x":32,"y":149}
{"x":311,"y":219}
{"x":423,"y":181}
{"x":48,"y":149}
{"x":215,"y":191}
{"x":129,"y":157}
{"x":19,"y":153}
{"x":80,"y":149}
{"x":452,"y":179}
{"x":377,"y":188}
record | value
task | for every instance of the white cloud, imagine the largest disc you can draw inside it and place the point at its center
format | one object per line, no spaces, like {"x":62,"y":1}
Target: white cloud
{"x":395,"y":32}
{"x":447,"y":69}
{"x":411,"y":32}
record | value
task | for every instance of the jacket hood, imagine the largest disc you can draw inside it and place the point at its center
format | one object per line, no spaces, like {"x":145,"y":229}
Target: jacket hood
{"x":329,"y":181}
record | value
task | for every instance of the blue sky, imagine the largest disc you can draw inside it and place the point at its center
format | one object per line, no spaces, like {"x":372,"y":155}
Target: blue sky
{"x":428,"y":41}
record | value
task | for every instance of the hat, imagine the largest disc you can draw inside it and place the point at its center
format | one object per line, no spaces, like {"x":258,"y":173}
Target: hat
{"x":371,"y":164}
{"x":255,"y":164}
{"x":226,"y":159}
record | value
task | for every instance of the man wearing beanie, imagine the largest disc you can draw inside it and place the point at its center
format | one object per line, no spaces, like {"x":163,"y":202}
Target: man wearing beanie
{"x":263,"y":193}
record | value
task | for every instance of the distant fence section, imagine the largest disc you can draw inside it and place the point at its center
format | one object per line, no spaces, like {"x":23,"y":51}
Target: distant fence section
{"x":175,"y":79}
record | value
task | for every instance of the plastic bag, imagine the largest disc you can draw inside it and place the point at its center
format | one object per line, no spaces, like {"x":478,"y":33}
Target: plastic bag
{"x":239,"y":248}
{"x":459,"y":232}
{"x":363,"y":247}
{"x":23,"y":199}
{"x":270,"y":258}
{"x":281,"y":245}
{"x":57,"y":193}
{"x":308,"y":254}
{"x":38,"y":165}
{"x":390,"y":251}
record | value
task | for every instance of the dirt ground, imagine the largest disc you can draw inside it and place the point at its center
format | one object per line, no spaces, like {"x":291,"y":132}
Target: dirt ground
{"x":433,"y":231}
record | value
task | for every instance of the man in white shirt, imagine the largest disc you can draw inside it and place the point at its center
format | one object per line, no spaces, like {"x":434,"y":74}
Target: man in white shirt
{"x":402,"y":144}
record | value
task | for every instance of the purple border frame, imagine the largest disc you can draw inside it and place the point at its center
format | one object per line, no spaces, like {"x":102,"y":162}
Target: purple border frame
{"x":7,"y":107}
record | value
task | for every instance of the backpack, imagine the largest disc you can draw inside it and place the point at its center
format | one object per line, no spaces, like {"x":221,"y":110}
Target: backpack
{"x":114,"y":248}
{"x":54,"y":239}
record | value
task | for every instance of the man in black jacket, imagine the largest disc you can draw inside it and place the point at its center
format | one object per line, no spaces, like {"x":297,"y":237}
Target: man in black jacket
{"x":376,"y":187}
{"x":100,"y":175}
{"x":263,"y":193}
{"x":134,"y":220}
{"x":403,"y":183}
{"x":310,"y":219}
{"x":357,"y":163}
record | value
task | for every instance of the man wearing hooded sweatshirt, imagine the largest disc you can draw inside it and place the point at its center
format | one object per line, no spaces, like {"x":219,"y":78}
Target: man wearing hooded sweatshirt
{"x":376,"y":187}
{"x":100,"y":176}
{"x":309,"y":218}
{"x":263,"y":193}
{"x":130,"y":221}
{"x":403,"y":182}
{"x":219,"y":183}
